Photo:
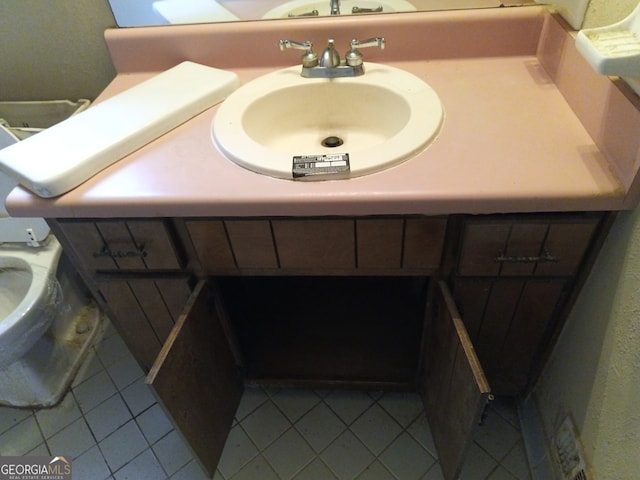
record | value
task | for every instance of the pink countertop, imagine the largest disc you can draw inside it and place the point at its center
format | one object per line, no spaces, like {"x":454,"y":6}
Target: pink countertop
{"x":510,"y":142}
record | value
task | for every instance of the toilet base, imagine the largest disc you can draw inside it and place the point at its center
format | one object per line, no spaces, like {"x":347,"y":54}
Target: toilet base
{"x":44,"y":374}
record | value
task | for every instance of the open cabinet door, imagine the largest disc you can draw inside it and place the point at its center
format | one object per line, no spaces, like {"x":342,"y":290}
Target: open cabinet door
{"x":196,"y":379}
{"x":455,"y":390}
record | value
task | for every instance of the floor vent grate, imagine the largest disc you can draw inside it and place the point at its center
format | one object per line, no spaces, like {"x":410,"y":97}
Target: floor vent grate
{"x":569,"y":452}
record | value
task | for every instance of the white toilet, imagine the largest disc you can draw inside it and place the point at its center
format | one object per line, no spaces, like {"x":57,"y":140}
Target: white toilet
{"x":47,"y":322}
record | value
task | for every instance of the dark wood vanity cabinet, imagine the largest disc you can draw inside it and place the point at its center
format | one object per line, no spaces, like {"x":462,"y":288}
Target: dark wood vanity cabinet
{"x":513,"y":283}
{"x":454,"y":307}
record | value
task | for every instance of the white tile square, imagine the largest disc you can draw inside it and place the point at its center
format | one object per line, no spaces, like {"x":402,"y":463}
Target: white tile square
{"x":406,"y":458}
{"x":376,"y":471}
{"x":172,"y":452}
{"x":238,"y":451}
{"x":10,"y":417}
{"x":496,"y":435}
{"x":252,"y":398}
{"x":434,"y":473}
{"x":258,"y":468}
{"x":376,"y":429}
{"x":72,"y":440}
{"x":52,"y":420}
{"x":265,"y":424}
{"x":348,"y":404}
{"x":123,"y":445}
{"x":289,"y":454}
{"x":316,"y":470}
{"x":403,"y":406}
{"x":517,"y":463}
{"x":347,"y":457}
{"x":421,"y":432}
{"x":478,"y":464}
{"x":41,"y":450}
{"x":501,"y":474}
{"x":90,"y":367}
{"x":193,"y":471}
{"x":125,"y":371}
{"x":111,"y":349}
{"x":154,"y":423}
{"x":91,"y":465}
{"x":138,"y":396}
{"x":144,"y":467}
{"x":320,"y":427}
{"x":295,"y":403}
{"x":92,"y":392}
{"x":107,"y":417}
{"x":21,"y":438}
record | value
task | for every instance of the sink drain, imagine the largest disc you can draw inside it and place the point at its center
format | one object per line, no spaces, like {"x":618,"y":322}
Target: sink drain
{"x":332,"y":142}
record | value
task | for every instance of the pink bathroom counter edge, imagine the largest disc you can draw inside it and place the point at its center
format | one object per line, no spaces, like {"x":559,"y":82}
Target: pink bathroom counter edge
{"x":510,"y":141}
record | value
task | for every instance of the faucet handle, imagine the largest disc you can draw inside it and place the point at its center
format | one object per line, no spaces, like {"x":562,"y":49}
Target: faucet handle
{"x":370,"y":42}
{"x":353,"y":57}
{"x":309,"y":58}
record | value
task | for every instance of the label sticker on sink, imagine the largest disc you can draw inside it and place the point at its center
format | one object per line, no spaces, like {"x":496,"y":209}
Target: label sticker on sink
{"x":328,"y":165}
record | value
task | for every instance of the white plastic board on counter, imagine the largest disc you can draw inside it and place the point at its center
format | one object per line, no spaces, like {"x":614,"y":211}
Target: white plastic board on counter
{"x":67,"y":154}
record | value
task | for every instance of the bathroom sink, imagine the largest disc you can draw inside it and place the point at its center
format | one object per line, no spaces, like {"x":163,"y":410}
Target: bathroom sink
{"x":291,"y":127}
{"x":302,"y":8}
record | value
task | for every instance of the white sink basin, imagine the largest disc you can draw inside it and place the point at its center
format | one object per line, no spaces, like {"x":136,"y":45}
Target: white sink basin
{"x":297,"y":8}
{"x":287,"y":126}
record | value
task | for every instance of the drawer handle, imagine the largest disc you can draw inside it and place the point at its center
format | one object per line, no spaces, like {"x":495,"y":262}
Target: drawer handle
{"x":545,"y":257}
{"x":105,"y":252}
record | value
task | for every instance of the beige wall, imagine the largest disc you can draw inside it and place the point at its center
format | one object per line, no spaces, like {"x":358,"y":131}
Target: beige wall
{"x":53,"y":49}
{"x":594,"y":372}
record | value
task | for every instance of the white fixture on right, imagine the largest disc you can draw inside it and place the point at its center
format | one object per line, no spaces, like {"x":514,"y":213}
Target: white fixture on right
{"x":614,"y":49}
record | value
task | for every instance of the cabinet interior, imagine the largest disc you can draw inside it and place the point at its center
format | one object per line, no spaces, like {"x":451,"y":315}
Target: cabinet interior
{"x":357,"y":331}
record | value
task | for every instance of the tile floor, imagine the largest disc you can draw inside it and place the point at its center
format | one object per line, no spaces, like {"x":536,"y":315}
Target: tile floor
{"x":113,"y":429}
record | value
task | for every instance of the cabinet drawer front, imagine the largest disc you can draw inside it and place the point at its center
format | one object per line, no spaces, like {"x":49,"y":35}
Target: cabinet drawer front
{"x":542,"y":246}
{"x":424,"y":242}
{"x":105,"y":245}
{"x":315,"y":244}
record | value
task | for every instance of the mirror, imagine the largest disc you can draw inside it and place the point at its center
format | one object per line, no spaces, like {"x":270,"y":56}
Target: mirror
{"x":136,"y":13}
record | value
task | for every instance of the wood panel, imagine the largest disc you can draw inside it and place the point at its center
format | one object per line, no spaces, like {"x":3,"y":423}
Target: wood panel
{"x":530,"y":323}
{"x":379,"y":243}
{"x":567,"y":242}
{"x":509,"y":318}
{"x":252,"y":243}
{"x":152,"y":304}
{"x":131,"y":322}
{"x":423,"y":242}
{"x":86,"y":240}
{"x":154,"y":237}
{"x":455,"y":390}
{"x":525,"y":241}
{"x":121,"y":245}
{"x":196,"y":379}
{"x":210,"y":241}
{"x":315,"y":243}
{"x":481,"y":244}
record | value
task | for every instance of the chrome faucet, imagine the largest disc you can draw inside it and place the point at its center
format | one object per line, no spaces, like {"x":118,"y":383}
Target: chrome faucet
{"x":329,"y":65}
{"x":334,"y":7}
